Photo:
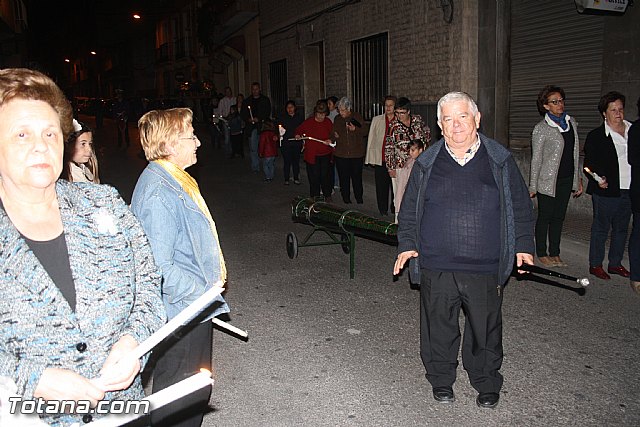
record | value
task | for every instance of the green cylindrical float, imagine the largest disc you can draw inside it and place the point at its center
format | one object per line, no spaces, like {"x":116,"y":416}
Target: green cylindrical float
{"x":318,"y":213}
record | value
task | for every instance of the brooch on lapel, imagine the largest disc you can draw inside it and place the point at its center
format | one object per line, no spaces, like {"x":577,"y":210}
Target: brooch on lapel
{"x":105,"y":222}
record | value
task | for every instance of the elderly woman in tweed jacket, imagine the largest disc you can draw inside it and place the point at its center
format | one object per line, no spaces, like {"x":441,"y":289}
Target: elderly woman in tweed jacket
{"x":555,"y":172}
{"x":78,"y":285}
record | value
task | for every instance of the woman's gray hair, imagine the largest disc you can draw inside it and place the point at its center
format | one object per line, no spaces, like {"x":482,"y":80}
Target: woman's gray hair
{"x":455,"y":97}
{"x":344,"y":102}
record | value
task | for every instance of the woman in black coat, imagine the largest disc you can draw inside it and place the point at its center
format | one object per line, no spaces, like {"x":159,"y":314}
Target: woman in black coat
{"x":634,"y":191}
{"x":605,"y":154}
{"x":290,"y":148}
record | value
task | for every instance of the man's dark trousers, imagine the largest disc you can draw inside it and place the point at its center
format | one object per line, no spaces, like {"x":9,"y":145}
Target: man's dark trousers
{"x":442,"y":294}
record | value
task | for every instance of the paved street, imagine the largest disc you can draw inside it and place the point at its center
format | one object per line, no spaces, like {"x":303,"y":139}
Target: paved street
{"x":325,"y":350}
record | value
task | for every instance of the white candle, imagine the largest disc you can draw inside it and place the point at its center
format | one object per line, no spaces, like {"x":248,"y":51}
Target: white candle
{"x":230,"y":327}
{"x":250,"y":113}
{"x":595,"y":176}
{"x":161,"y":398}
{"x":181,"y":389}
{"x":186,"y":315}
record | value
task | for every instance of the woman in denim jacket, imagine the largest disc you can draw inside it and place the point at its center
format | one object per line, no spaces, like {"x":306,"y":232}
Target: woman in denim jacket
{"x":185,"y":245}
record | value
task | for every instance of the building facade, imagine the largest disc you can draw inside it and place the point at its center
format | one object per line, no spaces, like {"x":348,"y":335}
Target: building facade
{"x":13,"y":28}
{"x":501,"y":52}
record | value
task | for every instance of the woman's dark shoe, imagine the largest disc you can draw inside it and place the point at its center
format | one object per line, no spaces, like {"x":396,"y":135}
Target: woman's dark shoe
{"x":488,"y":400}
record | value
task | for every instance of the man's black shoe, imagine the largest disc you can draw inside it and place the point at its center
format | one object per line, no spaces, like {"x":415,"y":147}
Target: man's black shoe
{"x":488,"y":400}
{"x":444,"y":394}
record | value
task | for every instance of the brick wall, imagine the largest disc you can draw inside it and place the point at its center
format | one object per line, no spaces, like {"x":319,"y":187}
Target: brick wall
{"x":424,"y":52}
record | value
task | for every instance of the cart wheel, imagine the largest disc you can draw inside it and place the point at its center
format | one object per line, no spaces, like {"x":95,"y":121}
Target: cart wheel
{"x":292,"y":245}
{"x":345,"y":243}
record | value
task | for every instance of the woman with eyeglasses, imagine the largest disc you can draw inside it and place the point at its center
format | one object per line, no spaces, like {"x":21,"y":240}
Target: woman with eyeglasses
{"x":185,"y":245}
{"x":555,"y":172}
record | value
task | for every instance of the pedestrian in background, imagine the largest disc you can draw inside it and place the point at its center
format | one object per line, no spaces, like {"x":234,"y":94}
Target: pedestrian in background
{"x":404,"y":128}
{"x":634,"y":192}
{"x":416,"y":147}
{"x":375,"y":155}
{"x":290,"y":147}
{"x":236,"y":126}
{"x":255,"y":109}
{"x":121,"y":110}
{"x":332,"y":102}
{"x":605,"y":154}
{"x":268,"y":149}
{"x":318,"y":151}
{"x":462,"y":241}
{"x":224,"y":108}
{"x":555,"y":171}
{"x":348,"y":132}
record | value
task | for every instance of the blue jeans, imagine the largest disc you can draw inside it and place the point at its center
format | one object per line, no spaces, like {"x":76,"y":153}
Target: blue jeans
{"x":254,"y":139}
{"x":269,"y":167}
{"x":634,"y":248}
{"x":609,"y":213}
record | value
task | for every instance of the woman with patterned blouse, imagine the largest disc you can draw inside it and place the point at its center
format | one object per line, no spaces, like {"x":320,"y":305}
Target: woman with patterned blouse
{"x":405,"y":128}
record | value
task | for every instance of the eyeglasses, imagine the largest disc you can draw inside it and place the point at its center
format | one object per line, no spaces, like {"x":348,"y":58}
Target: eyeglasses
{"x":556,"y":101}
{"x":401,"y":112}
{"x":192,"y":137}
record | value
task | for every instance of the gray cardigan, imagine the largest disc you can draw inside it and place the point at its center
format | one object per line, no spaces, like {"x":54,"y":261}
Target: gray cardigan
{"x":547,"y":146}
{"x":117,"y":286}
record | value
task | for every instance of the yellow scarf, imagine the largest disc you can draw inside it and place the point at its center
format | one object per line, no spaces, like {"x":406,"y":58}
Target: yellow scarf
{"x":190,"y":186}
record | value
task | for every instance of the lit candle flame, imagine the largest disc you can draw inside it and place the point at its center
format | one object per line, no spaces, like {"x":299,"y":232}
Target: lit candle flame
{"x":595,"y":176}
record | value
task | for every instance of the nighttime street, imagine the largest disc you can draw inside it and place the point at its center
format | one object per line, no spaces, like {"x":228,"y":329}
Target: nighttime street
{"x":446,"y":102}
{"x":325,"y":350}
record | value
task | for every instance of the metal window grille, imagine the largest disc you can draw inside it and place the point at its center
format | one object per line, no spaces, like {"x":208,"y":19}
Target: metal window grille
{"x":278,"y":84}
{"x":369,"y":74}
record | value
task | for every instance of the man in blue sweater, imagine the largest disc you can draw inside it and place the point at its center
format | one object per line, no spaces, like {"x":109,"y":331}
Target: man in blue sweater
{"x":466,"y":216}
